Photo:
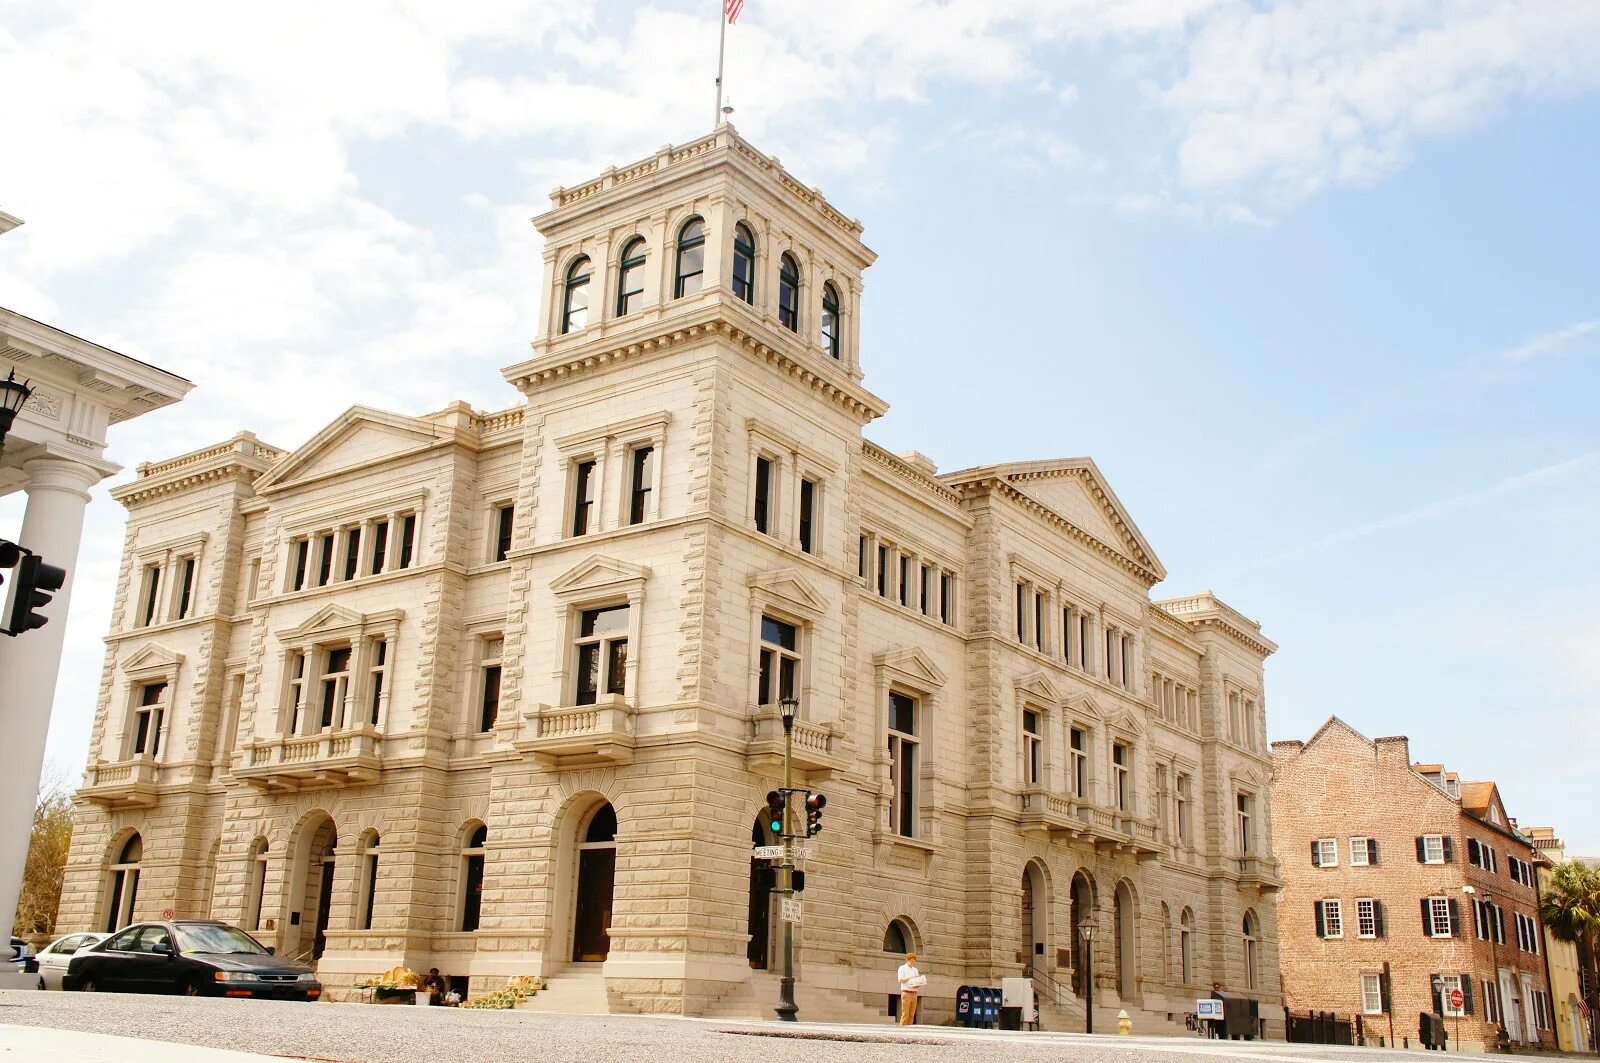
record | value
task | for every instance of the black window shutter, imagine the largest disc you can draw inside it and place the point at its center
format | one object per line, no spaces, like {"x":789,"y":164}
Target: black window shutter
{"x":1449,"y":850}
{"x":1466,"y":993}
{"x":1372,"y":850}
{"x":1316,"y":853}
{"x":1455,"y":918}
{"x":1377,"y":918}
{"x":1427,"y":918}
{"x":1322,"y":922}
{"x":1422,"y":851}
{"x":1472,"y":852}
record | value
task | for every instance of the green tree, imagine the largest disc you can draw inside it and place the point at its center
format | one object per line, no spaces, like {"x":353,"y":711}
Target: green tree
{"x":1570,"y":906}
{"x":47,"y":859}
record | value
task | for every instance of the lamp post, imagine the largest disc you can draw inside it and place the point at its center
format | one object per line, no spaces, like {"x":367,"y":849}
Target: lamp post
{"x":1489,"y":917}
{"x":787,"y":1009}
{"x":12,"y":395}
{"x":1086,"y":928}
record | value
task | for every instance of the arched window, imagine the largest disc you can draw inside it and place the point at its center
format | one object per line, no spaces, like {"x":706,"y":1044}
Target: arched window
{"x":899,"y":938}
{"x":1251,"y":945}
{"x":575,"y":300}
{"x":691,"y":271}
{"x":789,"y":293}
{"x":630,"y":281}
{"x":831,"y":342}
{"x":369,"y":880}
{"x":744,"y":263}
{"x":472,"y":877}
{"x":1186,"y":946}
{"x":124,"y":884}
{"x":256,"y":891}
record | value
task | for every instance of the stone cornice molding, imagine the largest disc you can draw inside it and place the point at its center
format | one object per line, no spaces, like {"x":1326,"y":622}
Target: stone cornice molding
{"x":126,"y":386}
{"x":243,"y":457}
{"x":712,"y":322}
{"x":905,"y":472}
{"x":1206,"y":611}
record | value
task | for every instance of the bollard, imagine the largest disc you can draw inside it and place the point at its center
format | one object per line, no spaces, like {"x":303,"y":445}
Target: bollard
{"x":1124,"y":1024}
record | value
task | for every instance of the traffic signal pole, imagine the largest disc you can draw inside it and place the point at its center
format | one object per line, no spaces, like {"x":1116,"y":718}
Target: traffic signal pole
{"x":787,"y":1009}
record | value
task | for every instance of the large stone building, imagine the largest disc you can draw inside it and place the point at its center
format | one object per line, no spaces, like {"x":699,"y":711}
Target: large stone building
{"x":497,"y":692}
{"x":1401,"y":884}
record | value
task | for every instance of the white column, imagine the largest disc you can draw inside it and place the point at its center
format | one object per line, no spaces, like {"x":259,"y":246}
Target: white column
{"x":58,"y":490}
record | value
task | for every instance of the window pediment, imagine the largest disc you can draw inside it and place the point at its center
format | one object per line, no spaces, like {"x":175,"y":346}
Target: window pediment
{"x":335,"y":620}
{"x":1038,"y":687}
{"x":1247,"y":779}
{"x":912,"y":666}
{"x":1126,"y":721}
{"x":151,"y":661}
{"x":599,"y":574}
{"x":786,"y":588}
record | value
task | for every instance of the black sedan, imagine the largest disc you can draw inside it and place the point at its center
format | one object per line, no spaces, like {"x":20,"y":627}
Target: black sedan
{"x":197,"y":958}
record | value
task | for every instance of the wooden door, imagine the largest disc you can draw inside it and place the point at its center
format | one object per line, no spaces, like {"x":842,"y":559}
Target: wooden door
{"x":762,"y":879}
{"x":324,"y":902}
{"x":597,"y":871}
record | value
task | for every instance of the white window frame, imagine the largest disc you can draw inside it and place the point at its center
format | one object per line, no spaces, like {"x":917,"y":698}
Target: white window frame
{"x":1430,"y":844}
{"x":1032,"y":746}
{"x":1372,"y":994}
{"x":1366,"y":918}
{"x":1359,"y":851}
{"x":1080,"y":763}
{"x":1332,"y":918}
{"x":899,"y":742}
{"x":1439,"y":909}
{"x":1447,"y":983}
{"x":1244,"y":821}
{"x":1327,"y":852}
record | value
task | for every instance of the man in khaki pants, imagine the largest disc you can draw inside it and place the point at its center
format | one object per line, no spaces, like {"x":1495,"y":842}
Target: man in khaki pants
{"x":911,"y":983}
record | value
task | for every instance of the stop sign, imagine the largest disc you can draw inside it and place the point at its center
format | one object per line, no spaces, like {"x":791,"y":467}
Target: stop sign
{"x":1456,"y":1000}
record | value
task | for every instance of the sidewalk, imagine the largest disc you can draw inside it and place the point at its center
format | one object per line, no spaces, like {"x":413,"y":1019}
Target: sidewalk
{"x":38,"y":1044}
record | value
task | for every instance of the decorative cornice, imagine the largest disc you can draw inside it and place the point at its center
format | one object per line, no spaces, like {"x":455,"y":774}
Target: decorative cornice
{"x":905,"y":471}
{"x":1002,"y":486}
{"x":1207,"y":610}
{"x":244,"y":457}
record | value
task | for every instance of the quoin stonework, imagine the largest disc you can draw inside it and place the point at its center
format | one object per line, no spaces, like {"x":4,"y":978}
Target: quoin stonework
{"x":497,"y":692}
{"x":1403,"y":883}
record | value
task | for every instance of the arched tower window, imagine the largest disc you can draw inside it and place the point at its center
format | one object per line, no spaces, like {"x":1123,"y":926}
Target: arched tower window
{"x":630,"y":281}
{"x":691,"y":273}
{"x":789,"y":293}
{"x":472,"y":854}
{"x":1252,"y":944}
{"x":744,"y":263}
{"x":256,"y":891}
{"x":831,"y":341}
{"x":124,"y":884}
{"x":575,"y":297}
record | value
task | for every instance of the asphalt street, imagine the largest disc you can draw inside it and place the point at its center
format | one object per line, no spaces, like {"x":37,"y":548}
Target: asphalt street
{"x":364,"y":1033}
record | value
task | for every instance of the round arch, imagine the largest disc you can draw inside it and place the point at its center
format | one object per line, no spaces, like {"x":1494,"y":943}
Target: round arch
{"x":123,"y":860}
{"x":1082,"y":901}
{"x":1035,"y":921}
{"x":583,"y":837}
{"x":1250,"y":929}
{"x":1125,"y":939}
{"x":901,"y":936}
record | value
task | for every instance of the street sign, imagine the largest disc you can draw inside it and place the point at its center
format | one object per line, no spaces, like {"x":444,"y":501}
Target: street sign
{"x":1457,"y":1000}
{"x":767,"y":852}
{"x":792,"y":907}
{"x":167,"y":913}
{"x":1208,"y":1008}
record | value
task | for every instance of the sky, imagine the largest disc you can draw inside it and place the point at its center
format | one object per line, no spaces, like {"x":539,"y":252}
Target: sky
{"x":1316,"y":284}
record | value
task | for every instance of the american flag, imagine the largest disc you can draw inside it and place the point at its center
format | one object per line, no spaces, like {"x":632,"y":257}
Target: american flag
{"x":731,"y":9}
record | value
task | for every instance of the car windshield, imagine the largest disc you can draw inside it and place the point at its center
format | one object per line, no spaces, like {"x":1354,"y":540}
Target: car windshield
{"x":217,"y":940}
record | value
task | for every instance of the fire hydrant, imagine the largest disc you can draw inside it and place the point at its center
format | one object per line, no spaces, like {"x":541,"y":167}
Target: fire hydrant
{"x":1124,"y":1024}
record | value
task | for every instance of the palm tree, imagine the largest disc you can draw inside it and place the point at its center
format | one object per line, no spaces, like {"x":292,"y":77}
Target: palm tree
{"x":1570,"y":906}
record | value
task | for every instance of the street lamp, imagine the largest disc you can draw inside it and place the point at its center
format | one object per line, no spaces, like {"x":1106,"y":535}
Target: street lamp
{"x":787,"y":1009}
{"x":12,"y":395}
{"x":1086,"y":928}
{"x":1492,"y":927}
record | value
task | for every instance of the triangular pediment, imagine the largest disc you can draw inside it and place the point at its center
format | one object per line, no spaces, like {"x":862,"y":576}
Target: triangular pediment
{"x":1124,"y":720}
{"x":787,"y":587}
{"x":152,"y":658}
{"x":359,"y":437}
{"x":598,"y":572}
{"x":1251,"y":777}
{"x":1086,"y":707}
{"x":914,"y":665}
{"x":1038,"y":686}
{"x":332,"y":617}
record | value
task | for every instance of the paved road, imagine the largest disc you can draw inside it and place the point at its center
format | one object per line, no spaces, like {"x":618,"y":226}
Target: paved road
{"x":364,"y":1033}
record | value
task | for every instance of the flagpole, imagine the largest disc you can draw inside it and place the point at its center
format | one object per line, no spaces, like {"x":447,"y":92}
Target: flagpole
{"x":722,"y":41}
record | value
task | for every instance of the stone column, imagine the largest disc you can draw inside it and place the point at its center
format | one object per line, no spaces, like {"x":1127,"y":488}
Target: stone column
{"x":58,"y":490}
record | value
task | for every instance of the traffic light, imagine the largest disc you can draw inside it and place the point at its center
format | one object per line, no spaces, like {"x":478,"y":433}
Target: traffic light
{"x":797,"y":881}
{"x":10,"y":554}
{"x":815,"y":803}
{"x":37,"y":583}
{"x":774,"y":812}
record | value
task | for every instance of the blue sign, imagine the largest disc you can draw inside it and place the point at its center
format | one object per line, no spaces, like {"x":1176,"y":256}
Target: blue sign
{"x":1208,"y":1009}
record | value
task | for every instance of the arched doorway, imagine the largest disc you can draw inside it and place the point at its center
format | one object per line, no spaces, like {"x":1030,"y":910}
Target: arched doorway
{"x":1035,"y":918}
{"x":323,"y":843}
{"x":1252,"y":946}
{"x":1124,"y":939}
{"x":124,"y":884}
{"x":597,"y":874}
{"x":1081,"y":896}
{"x":763,"y":879}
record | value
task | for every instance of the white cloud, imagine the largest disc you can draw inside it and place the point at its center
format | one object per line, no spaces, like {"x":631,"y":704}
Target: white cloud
{"x":1551,"y":344}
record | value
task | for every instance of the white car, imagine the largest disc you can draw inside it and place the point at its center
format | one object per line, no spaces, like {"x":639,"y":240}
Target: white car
{"x":55,"y":956}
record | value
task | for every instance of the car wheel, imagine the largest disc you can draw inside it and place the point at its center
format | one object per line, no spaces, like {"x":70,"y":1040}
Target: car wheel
{"x":193,"y":987}
{"x":87,"y":986}
{"x":42,"y":986}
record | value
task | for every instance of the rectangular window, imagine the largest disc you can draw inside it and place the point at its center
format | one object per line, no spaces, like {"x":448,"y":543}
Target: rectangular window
{"x":1359,"y":852}
{"x":352,"y":553}
{"x":377,"y":672}
{"x":602,"y":653}
{"x":861,"y":557}
{"x":380,"y":547}
{"x":763,"y":501}
{"x":947,"y":598}
{"x":1085,"y":649}
{"x":295,"y":690}
{"x":643,"y":477}
{"x":1491,"y":1002}
{"x":489,"y":684}
{"x":1366,"y":917}
{"x":148,"y":719}
{"x":335,"y":684}
{"x":1121,"y":762}
{"x":1022,"y":613}
{"x":152,"y":594}
{"x":1325,"y":852}
{"x":583,"y":497}
{"x":253,"y":581}
{"x":1431,"y":849}
{"x":505,"y":517}
{"x":1127,"y":662}
{"x":902,"y":764}
{"x":1111,"y":655}
{"x":1066,"y":635}
{"x":1079,"y":743}
{"x":1246,"y":833}
{"x":1372,"y":994}
{"x":1038,"y":621}
{"x":1332,"y":919}
{"x":1032,"y":749}
{"x":1183,"y":786}
{"x":808,"y":506}
{"x":324,"y":559}
{"x":924,"y":594}
{"x":408,"y":538}
{"x":780,"y":661}
{"x":186,"y":588}
{"x":1447,"y":984}
{"x":1438,"y":911}
{"x":883,"y":571}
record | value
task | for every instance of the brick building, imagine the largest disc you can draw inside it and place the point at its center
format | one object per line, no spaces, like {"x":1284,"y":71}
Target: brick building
{"x":1401,"y":881}
{"x":498,"y":692}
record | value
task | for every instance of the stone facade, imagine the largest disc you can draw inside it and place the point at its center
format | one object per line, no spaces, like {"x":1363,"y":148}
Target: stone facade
{"x":1434,"y":838}
{"x":687,"y":472}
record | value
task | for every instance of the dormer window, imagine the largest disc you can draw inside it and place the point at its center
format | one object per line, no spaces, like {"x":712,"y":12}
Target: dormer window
{"x":575,"y":298}
{"x":691,"y":258}
{"x":744,"y":263}
{"x":630,"y":281}
{"x":789,"y":293}
{"x":830,"y":320}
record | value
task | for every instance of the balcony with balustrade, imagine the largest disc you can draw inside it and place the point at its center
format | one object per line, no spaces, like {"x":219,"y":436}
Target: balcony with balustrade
{"x":816,"y":745}
{"x":122,"y":784}
{"x":1260,"y":872}
{"x":578,"y":736}
{"x":1064,"y":815}
{"x":332,"y":758}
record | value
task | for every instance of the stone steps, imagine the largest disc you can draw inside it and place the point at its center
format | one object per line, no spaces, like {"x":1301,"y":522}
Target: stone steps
{"x":754,"y":998}
{"x":574,"y":991}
